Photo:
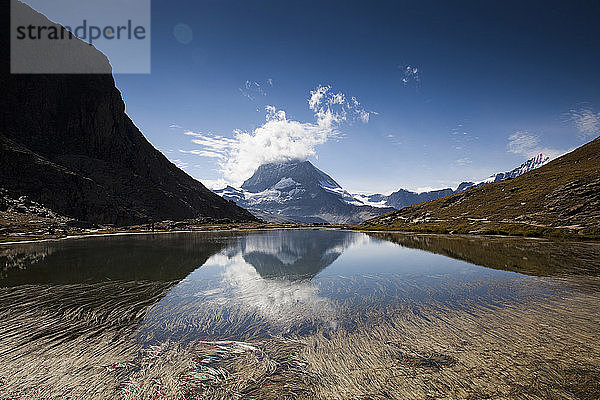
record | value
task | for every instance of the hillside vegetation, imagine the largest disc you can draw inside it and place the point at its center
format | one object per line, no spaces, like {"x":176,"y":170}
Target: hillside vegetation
{"x":560,"y":199}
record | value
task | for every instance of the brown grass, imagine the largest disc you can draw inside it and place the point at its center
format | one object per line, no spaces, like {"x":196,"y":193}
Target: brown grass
{"x":560,"y":199}
{"x":88,"y":346}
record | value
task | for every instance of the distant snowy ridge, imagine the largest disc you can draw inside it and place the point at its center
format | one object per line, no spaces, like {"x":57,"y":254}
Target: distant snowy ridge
{"x":529,"y":165}
{"x":404,"y":198}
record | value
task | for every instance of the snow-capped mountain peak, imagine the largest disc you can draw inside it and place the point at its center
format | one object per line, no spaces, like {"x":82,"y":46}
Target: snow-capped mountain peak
{"x":299,"y":191}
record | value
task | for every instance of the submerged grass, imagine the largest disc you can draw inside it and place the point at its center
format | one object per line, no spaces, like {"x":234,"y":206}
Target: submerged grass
{"x":522,"y":352}
{"x":91,"y":342}
{"x":61,"y":341}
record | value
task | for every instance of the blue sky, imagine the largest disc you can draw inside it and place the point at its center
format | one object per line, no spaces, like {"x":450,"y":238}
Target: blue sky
{"x":452,"y":91}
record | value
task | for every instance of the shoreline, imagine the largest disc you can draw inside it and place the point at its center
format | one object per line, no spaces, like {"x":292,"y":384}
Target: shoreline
{"x":267,"y":227}
{"x":549,"y":233}
{"x":83,"y":235}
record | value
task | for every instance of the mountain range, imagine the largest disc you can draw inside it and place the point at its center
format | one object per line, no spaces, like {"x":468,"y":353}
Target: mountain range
{"x":297,"y":191}
{"x":404,"y":198}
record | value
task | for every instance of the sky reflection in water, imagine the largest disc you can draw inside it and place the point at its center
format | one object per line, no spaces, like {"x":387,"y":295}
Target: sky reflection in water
{"x":281,"y":282}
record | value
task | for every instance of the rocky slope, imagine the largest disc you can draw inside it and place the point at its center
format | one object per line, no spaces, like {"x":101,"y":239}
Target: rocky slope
{"x":300,"y":192}
{"x":66,"y":143}
{"x":559,"y":198}
{"x":24,"y":216}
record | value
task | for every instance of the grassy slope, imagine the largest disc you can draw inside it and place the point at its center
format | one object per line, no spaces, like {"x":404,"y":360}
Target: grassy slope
{"x":559,"y":199}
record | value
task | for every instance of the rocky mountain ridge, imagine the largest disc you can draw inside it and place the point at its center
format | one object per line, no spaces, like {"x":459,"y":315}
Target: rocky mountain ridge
{"x":529,"y":165}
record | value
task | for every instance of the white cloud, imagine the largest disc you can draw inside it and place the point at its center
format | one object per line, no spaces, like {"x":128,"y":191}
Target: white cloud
{"x":316,"y":96}
{"x":364,"y":116}
{"x":279,"y":138}
{"x":586,"y":121}
{"x":214,"y":184}
{"x":174,"y":126}
{"x":180,"y":164}
{"x":410,"y":74}
{"x":254,"y":90}
{"x":522,"y":143}
{"x":464,"y":161}
{"x":203,"y":153}
{"x":325,"y":103}
{"x":216,"y":143}
{"x":338,"y":98}
{"x":527,"y":144}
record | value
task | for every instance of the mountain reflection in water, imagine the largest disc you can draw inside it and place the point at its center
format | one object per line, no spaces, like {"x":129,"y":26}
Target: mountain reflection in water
{"x":261,"y":282}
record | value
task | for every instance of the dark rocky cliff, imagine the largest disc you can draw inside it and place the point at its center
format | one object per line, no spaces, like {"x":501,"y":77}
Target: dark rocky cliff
{"x":66,"y":142}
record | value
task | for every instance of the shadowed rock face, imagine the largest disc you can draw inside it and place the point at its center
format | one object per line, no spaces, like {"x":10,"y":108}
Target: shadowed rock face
{"x":66,"y":142}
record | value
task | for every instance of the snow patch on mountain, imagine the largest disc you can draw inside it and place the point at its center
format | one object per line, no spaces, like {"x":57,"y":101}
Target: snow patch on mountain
{"x":285,"y":183}
{"x":373,"y":200}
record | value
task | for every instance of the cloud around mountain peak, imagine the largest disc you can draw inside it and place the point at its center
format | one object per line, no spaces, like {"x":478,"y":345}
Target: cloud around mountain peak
{"x":280,"y":139}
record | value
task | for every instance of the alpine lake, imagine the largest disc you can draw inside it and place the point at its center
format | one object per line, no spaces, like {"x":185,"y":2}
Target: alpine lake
{"x":309,"y":314}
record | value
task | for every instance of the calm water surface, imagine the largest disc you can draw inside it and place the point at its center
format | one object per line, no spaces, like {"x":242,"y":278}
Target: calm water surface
{"x":256,"y":284}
